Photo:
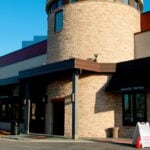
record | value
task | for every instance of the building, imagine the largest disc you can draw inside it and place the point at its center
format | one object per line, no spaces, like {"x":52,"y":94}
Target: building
{"x":36,"y":39}
{"x":12,"y":100}
{"x":142,"y":38}
{"x":75,"y":83}
{"x":82,"y":29}
{"x":131,"y":79}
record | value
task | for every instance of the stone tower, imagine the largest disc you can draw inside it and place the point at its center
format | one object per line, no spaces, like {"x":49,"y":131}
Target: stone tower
{"x":88,"y":27}
{"x":83,"y":28}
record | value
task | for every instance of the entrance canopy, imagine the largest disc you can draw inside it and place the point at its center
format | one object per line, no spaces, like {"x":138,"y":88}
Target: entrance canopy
{"x":130,"y":75}
{"x":69,"y":65}
{"x":59,"y":67}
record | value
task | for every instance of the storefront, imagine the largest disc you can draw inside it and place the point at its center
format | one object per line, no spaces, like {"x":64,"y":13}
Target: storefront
{"x":131,"y":80}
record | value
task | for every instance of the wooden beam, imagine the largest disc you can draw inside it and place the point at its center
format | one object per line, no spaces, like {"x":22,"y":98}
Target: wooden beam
{"x":94,"y":66}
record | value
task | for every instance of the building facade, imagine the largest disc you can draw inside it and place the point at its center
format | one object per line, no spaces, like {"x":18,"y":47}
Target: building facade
{"x":36,"y":39}
{"x":142,"y":38}
{"x":85,"y":29}
{"x":68,"y":85}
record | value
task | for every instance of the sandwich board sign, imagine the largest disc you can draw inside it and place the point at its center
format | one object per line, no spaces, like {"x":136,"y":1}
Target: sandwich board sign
{"x":142,"y":131}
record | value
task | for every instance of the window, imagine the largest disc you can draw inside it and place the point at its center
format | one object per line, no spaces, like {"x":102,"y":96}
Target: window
{"x":5,"y":112}
{"x":134,"y":108}
{"x":126,"y":1}
{"x":73,"y":1}
{"x":59,"y":21}
{"x":55,"y":5}
{"x":11,"y":109}
{"x":135,"y":4}
{"x":59,"y":3}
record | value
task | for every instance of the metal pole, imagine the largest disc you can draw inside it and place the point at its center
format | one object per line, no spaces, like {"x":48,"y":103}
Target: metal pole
{"x":74,"y":98}
{"x":28,"y":118}
{"x":27,"y":109}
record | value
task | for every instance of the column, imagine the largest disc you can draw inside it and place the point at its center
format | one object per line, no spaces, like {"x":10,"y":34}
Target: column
{"x":27,"y":106}
{"x":75,"y":77}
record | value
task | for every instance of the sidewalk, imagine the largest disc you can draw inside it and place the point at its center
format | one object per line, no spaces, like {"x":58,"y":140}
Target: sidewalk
{"x":47,"y":138}
{"x":46,"y":142}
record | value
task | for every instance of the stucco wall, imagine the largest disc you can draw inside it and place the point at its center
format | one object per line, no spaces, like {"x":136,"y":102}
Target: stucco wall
{"x":142,"y":48}
{"x":94,"y":27}
{"x":13,"y":69}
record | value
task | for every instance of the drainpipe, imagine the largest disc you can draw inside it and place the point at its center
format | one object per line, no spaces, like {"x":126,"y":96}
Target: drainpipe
{"x":74,"y":99}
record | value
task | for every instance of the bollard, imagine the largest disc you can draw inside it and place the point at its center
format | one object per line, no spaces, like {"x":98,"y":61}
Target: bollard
{"x":14,"y":128}
{"x":115,"y":132}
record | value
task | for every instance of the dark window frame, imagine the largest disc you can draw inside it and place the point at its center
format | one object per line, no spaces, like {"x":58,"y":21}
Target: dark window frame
{"x":60,"y":21}
{"x":15,"y":111}
{"x":58,"y":3}
{"x":126,"y":2}
{"x":73,"y":1}
{"x":136,"y":4}
{"x":135,"y":120}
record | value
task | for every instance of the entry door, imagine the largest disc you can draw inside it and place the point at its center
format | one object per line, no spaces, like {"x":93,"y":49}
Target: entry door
{"x":37,"y":121}
{"x":58,"y":118}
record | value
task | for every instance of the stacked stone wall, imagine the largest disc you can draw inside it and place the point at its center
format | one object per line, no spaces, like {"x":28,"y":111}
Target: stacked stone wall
{"x":94,"y":27}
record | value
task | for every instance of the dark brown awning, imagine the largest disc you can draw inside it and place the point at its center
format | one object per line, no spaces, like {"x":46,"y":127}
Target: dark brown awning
{"x":130,"y":75}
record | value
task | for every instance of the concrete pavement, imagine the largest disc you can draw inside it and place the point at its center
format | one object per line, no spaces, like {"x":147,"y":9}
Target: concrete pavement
{"x":6,"y":144}
{"x":69,"y":144}
{"x":48,"y":138}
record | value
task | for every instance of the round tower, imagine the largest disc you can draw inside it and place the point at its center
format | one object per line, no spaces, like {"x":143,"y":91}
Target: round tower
{"x":83,"y":28}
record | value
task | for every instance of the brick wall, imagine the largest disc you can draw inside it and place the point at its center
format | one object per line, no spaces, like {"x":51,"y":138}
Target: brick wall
{"x":90,"y":27}
{"x":98,"y":111}
{"x":96,"y":108}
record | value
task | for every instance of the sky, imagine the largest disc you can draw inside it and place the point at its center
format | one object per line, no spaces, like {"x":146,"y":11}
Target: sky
{"x":20,"y":20}
{"x":23,"y":19}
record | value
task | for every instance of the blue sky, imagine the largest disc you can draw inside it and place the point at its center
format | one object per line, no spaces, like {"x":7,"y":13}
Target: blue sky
{"x":146,"y":5}
{"x":23,"y":19}
{"x":20,"y":21}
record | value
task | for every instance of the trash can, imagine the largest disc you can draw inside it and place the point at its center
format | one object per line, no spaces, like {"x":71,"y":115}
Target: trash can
{"x":115,"y":132}
{"x":14,"y":128}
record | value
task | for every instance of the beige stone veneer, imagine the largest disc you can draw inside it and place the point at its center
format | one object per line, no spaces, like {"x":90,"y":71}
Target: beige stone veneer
{"x":98,"y":111}
{"x":93,"y":27}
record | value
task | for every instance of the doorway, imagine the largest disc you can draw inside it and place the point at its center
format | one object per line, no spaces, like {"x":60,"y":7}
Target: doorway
{"x":37,"y":117}
{"x":58,"y":117}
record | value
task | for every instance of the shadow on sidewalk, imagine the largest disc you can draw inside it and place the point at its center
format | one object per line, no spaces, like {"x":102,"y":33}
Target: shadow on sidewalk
{"x":119,"y":141}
